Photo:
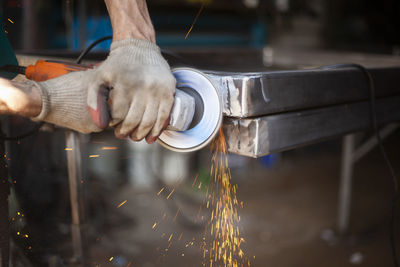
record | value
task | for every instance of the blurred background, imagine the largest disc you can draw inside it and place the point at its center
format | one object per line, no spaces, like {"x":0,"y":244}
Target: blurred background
{"x":137,"y":195}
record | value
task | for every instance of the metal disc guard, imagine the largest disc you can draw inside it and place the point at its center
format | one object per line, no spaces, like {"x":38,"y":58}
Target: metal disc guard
{"x":202,"y":133}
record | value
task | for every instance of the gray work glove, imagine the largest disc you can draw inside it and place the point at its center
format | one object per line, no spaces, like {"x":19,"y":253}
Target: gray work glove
{"x":64,"y":101}
{"x":141,"y":87}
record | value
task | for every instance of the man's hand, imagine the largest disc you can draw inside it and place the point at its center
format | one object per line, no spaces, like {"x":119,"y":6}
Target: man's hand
{"x":63,"y":101}
{"x":60,"y":101}
{"x":141,"y":84}
{"x":142,"y":89}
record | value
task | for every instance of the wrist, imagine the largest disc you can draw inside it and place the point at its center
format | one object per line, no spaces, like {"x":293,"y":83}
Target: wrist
{"x":130,"y":19}
{"x":128,"y":32}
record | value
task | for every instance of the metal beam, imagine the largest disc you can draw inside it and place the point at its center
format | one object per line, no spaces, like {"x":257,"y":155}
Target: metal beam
{"x":263,"y":93}
{"x":255,"y":137}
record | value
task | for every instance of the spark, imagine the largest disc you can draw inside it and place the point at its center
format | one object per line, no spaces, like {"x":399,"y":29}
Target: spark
{"x":176,"y":215}
{"x":198,"y":213}
{"x":195,"y":20}
{"x":170,"y":237}
{"x":111,"y":259}
{"x":109,"y":148}
{"x":195,"y":179}
{"x":121,"y":204}
{"x":154,"y":225}
{"x":10,"y":20}
{"x":68,"y":149}
{"x":94,"y":156}
{"x":170,"y":194}
{"x":162,"y":189}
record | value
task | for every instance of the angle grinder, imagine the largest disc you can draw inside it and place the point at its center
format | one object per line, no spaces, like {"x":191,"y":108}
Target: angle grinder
{"x":203,"y":125}
{"x":195,"y":117}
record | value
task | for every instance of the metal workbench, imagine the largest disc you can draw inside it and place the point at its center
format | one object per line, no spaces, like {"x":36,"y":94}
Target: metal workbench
{"x":268,"y":112}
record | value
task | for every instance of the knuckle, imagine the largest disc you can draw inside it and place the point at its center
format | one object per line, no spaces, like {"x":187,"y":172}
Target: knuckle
{"x":128,"y":127}
{"x":164,"y":112}
{"x":137,"y":136}
{"x":156,"y":130}
{"x":133,"y":137}
{"x":118,"y":134}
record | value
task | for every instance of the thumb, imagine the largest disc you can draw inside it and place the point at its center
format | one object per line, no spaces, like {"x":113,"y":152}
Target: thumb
{"x":97,"y":104}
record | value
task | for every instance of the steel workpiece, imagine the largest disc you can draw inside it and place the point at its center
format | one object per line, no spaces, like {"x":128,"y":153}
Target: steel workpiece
{"x":275,"y":111}
{"x":255,"y":94}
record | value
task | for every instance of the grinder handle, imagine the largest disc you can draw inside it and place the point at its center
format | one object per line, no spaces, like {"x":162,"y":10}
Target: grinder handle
{"x":48,"y":69}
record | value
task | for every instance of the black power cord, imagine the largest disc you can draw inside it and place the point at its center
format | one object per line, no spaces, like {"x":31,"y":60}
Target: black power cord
{"x":90,"y":47}
{"x":374,"y":122}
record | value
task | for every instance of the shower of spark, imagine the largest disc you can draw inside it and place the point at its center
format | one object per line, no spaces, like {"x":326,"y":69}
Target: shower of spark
{"x":224,"y":246}
{"x":221,"y":244}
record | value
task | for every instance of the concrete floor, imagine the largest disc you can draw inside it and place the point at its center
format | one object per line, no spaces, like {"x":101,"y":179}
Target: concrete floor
{"x":286,"y":220}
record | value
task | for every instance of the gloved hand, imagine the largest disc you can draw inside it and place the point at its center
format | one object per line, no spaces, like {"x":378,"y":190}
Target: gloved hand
{"x":141,"y":87}
{"x":64,"y":101}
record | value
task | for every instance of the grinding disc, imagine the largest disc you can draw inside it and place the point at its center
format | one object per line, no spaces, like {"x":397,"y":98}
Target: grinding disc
{"x":203,"y":132}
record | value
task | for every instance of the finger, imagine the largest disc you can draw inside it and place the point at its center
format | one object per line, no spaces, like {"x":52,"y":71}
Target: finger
{"x":132,"y":119}
{"x":120,"y":103}
{"x":162,"y":119}
{"x":97,"y":104}
{"x":150,"y":139}
{"x":147,"y":123}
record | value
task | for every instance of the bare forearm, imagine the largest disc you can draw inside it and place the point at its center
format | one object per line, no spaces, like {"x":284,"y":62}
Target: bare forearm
{"x":130,"y":19}
{"x":19,"y":99}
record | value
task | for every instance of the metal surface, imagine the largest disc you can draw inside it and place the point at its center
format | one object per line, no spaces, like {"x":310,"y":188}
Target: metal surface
{"x":255,"y":137}
{"x":211,"y":116}
{"x":346,"y":174}
{"x":75,"y":177}
{"x":256,"y":94}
